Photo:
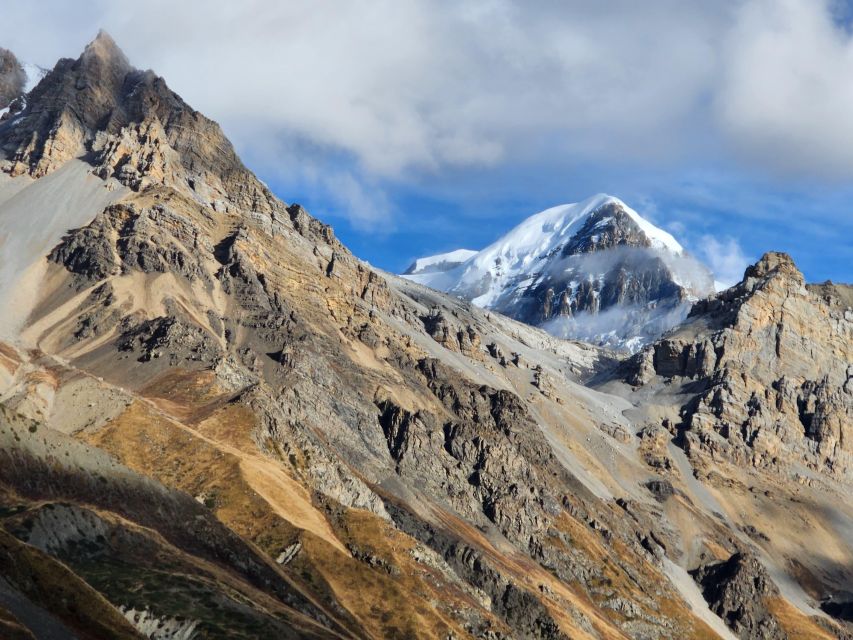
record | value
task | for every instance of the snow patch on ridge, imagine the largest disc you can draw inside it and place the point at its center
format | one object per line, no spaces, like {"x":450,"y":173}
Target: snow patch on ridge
{"x":34,"y":75}
{"x":434,"y":263}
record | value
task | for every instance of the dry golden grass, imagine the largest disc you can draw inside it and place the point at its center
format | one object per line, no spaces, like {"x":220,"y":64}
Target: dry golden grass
{"x":189,"y":436}
{"x":245,"y":491}
{"x":217,"y":459}
{"x":617,"y":580}
{"x":413,"y":600}
{"x":253,"y":495}
{"x":533,"y":577}
{"x":797,"y":625}
{"x":49,"y":584}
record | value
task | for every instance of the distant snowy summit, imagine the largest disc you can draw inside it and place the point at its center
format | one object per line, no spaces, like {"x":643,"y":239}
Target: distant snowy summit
{"x":17,"y":79}
{"x":594,"y":270}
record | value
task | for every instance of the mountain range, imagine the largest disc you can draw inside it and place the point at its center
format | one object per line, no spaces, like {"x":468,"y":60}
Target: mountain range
{"x":216,"y":422}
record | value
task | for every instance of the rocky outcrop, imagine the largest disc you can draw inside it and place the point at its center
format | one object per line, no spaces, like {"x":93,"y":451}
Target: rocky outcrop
{"x":125,"y":239}
{"x":452,"y":335}
{"x":737,"y":590}
{"x":771,"y":359}
{"x":168,"y":337}
{"x":484,"y":455}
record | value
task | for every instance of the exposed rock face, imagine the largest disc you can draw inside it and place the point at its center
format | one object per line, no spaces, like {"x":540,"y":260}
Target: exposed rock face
{"x":137,"y":129}
{"x":482,"y":451}
{"x":632,"y":279}
{"x":608,"y":264}
{"x":452,"y":335}
{"x":772,"y":360}
{"x":737,"y":590}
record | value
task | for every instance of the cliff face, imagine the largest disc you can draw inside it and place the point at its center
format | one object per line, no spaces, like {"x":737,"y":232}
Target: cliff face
{"x":772,"y":358}
{"x":225,"y":425}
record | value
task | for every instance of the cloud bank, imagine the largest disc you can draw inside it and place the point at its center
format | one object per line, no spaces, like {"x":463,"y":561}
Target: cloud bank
{"x":344,"y":97}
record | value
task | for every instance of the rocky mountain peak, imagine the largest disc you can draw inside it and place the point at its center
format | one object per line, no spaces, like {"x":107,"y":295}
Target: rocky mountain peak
{"x":104,"y":51}
{"x":101,"y":69}
{"x":772,"y":264}
{"x":771,"y":356}
{"x":132,"y":127}
{"x":774,"y":275}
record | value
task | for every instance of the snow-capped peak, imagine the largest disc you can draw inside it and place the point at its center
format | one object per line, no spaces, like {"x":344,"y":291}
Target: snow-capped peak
{"x":542,"y":232}
{"x":573,"y":262}
{"x":531,"y":244}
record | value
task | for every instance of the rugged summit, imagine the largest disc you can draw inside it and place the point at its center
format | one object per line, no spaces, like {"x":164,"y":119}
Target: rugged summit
{"x":771,"y":365}
{"x":131,"y":127}
{"x":215,"y":422}
{"x":595,"y":271}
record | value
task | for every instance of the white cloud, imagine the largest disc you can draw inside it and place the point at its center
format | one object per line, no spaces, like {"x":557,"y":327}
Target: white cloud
{"x":404,"y":86}
{"x":405,"y":90}
{"x":786,"y":94}
{"x":725,"y":258}
{"x":334,"y":189}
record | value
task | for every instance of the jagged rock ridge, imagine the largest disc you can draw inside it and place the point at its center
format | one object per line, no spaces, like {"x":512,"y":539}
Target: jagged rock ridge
{"x":132,"y":127}
{"x":772,"y":359}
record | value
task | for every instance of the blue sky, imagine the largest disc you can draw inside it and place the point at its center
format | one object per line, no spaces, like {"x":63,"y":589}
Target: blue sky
{"x":745,"y":216}
{"x":415,"y":126}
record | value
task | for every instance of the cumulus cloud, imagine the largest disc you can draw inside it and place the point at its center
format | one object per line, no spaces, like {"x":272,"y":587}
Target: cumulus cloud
{"x":726,"y":259}
{"x":403,"y":86}
{"x":400,"y":91}
{"x":785,"y":95}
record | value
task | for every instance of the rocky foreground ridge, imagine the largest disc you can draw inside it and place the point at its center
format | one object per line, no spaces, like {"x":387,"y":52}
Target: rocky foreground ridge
{"x":218,"y":423}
